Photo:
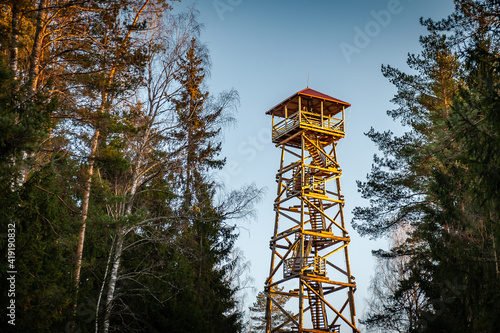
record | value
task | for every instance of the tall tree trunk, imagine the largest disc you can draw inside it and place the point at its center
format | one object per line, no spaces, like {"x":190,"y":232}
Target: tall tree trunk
{"x":35,"y":55}
{"x":88,"y":183}
{"x":102,"y":286}
{"x":36,"y":52}
{"x":113,"y":278}
{"x":122,"y":233}
{"x":116,"y":262}
{"x":495,"y":257}
{"x":34,"y":65}
{"x":14,"y":39}
{"x":14,"y":64}
{"x":85,"y":209}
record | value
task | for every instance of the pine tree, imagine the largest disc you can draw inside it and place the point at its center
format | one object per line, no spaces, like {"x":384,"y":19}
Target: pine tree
{"x":258,"y":313}
{"x":440,"y":176}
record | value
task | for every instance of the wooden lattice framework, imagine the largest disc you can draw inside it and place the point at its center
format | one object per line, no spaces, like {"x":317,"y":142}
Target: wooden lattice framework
{"x":310,"y":260}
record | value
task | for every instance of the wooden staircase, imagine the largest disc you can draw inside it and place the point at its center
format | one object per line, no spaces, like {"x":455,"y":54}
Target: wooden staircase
{"x":318,"y":156}
{"x":316,"y":219}
{"x":318,"y":224}
{"x":317,"y":307}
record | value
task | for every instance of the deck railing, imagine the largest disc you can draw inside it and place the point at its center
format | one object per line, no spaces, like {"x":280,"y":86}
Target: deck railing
{"x":312,"y":183}
{"x":294,"y":265}
{"x":315,"y":265}
{"x":309,"y":119}
{"x":286,"y":125}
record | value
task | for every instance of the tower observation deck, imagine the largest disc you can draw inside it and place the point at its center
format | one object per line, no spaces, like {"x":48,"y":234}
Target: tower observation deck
{"x":309,"y":260}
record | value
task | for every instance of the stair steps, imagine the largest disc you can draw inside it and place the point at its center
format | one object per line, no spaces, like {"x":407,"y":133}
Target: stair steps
{"x":316,"y":219}
{"x":318,"y":156}
{"x":317,"y":307}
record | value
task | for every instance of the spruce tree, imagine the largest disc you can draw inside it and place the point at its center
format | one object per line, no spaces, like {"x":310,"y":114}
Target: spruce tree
{"x":205,"y":232}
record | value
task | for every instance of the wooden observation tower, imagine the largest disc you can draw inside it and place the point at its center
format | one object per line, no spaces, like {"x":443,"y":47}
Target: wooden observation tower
{"x":310,"y":260}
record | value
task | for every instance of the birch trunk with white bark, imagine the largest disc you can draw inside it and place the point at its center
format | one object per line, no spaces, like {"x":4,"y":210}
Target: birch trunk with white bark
{"x":93,"y":152}
{"x":118,"y":251}
{"x":14,"y":39}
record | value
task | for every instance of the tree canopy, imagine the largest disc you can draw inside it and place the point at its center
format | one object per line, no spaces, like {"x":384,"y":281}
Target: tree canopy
{"x":442,"y":176}
{"x":108,"y":137}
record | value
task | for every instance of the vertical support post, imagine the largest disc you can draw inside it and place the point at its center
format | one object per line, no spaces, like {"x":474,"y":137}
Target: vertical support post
{"x":286,"y":119}
{"x":273,"y":130}
{"x":301,"y":306}
{"x":269,"y":304}
{"x":302,"y":221}
{"x":300,"y":111}
{"x":322,"y":125}
{"x":302,"y":184}
{"x":350,"y":292}
{"x":343,"y":119}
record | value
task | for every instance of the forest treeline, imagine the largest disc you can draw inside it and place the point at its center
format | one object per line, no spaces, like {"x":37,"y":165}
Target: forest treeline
{"x":435,"y":190}
{"x":109,"y":138}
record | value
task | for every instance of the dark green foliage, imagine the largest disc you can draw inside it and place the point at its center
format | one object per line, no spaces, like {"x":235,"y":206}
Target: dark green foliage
{"x":23,"y":124}
{"x":35,"y":208}
{"x":46,"y":218}
{"x":466,"y":191}
{"x":150,"y":190}
{"x":442,"y":176}
{"x":47,"y":223}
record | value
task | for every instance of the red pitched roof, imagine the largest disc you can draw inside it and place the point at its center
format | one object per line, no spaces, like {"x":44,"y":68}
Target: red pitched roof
{"x":331,"y":106}
{"x":314,"y":93}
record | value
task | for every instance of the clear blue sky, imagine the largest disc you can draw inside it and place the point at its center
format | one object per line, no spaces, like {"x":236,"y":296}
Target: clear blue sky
{"x":265,"y":50}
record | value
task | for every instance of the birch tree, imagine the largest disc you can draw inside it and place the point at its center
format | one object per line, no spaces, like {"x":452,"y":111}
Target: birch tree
{"x":116,"y":42}
{"x":390,"y":309}
{"x":154,"y":158}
